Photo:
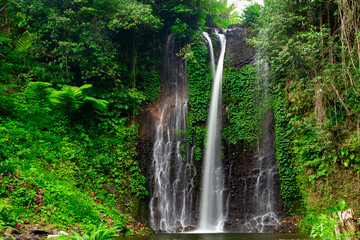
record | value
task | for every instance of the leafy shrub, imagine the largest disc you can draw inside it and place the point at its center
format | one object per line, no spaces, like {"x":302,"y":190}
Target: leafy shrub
{"x":101,"y":232}
{"x":251,"y":14}
{"x":324,"y":228}
{"x":244,"y":109}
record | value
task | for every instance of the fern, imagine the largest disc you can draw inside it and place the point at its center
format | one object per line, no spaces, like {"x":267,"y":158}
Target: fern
{"x":68,"y":99}
{"x":24,"y":42}
{"x":71,"y":99}
{"x":38,"y":92}
{"x":4,"y":39}
{"x":95,"y":105}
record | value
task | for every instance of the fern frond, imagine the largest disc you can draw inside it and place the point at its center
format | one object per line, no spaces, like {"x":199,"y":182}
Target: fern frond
{"x":95,"y":105}
{"x":4,"y":39}
{"x":38,"y":92}
{"x":24,"y":42}
{"x":86,"y":86}
{"x":68,"y":99}
{"x":71,"y":99}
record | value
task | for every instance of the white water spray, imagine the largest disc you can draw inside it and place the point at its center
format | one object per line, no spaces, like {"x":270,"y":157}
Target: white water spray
{"x":212,"y":215}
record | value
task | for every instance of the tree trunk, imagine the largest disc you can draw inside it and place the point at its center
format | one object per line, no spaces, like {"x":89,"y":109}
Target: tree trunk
{"x":346,"y":223}
{"x":319,"y":102}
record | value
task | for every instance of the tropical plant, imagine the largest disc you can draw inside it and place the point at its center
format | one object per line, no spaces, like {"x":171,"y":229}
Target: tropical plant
{"x":101,"y":232}
{"x":251,"y":14}
{"x":38,"y":92}
{"x":324,"y":228}
{"x":24,"y":42}
{"x":70,"y":99}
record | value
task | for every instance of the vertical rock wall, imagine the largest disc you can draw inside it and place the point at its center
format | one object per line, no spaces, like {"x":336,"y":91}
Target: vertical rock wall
{"x":241,"y":167}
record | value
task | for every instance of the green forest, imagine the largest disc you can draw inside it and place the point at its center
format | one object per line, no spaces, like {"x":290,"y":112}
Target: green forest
{"x":74,"y":75}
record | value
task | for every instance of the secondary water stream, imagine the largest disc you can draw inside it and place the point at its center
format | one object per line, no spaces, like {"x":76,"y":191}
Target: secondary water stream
{"x":171,"y":200}
{"x":268,"y":209}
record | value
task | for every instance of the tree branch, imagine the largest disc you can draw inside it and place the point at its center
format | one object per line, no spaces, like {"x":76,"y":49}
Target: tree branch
{"x":3,"y":7}
{"x":338,"y":95}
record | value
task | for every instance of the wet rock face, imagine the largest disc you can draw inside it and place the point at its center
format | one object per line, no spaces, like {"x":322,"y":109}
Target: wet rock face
{"x":238,"y":51}
{"x":244,"y":184}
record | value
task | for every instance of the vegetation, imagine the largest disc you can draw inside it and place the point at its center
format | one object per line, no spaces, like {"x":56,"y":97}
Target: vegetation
{"x":313,"y":50}
{"x":101,"y":232}
{"x":73,"y":76}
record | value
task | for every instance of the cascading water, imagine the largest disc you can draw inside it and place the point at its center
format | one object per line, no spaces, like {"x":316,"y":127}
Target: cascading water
{"x":266,"y":217}
{"x":211,"y":50}
{"x":212,"y":215}
{"x":171,"y":200}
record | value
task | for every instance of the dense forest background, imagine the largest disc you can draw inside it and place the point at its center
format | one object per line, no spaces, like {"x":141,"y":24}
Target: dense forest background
{"x":74,"y":75}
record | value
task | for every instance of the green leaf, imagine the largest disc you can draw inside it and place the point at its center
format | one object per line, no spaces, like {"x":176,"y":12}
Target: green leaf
{"x":24,"y":42}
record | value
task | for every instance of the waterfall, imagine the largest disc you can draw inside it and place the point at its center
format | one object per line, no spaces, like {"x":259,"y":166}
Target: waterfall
{"x":212,"y":215}
{"x":266,"y":216}
{"x":212,"y":58}
{"x":171,"y":201}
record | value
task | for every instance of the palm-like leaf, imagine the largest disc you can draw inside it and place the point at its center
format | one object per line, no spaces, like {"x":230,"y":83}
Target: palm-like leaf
{"x":95,"y":105}
{"x":24,"y":42}
{"x":38,"y":92}
{"x":68,"y":99}
{"x":72,"y":99}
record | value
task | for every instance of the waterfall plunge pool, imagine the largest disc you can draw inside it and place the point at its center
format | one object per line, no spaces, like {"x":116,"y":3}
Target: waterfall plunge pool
{"x":223,"y":236}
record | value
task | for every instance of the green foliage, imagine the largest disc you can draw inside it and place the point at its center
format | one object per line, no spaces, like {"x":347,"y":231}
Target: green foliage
{"x":312,"y":148}
{"x":71,"y":99}
{"x":130,"y":14}
{"x":316,"y":123}
{"x":339,"y":207}
{"x":71,"y":150}
{"x":199,"y":81}
{"x":24,"y":42}
{"x":305,"y":225}
{"x":58,"y":171}
{"x":220,"y":13}
{"x":149,"y":84}
{"x":323,"y":225}
{"x":179,"y":28}
{"x":283,"y":139}
{"x":7,"y":234}
{"x":38,"y":92}
{"x":251,"y":15}
{"x":324,"y":228}
{"x":101,"y":232}
{"x":4,"y":39}
{"x":7,"y":215}
{"x":244,"y":107}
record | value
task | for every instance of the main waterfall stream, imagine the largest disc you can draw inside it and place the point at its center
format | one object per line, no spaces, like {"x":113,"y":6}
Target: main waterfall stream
{"x":212,"y":216}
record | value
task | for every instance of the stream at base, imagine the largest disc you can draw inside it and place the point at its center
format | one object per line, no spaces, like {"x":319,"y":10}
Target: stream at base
{"x":223,"y":236}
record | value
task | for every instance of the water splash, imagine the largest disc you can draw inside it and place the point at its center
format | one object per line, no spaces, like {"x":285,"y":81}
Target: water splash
{"x":212,"y":215}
